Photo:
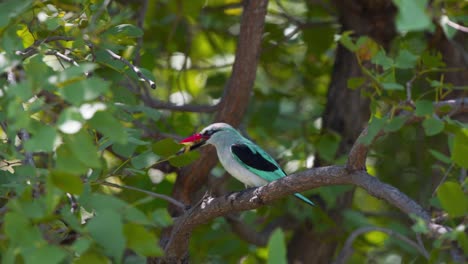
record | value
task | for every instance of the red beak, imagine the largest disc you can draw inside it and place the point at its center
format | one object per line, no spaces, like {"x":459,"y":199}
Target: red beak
{"x":192,"y":139}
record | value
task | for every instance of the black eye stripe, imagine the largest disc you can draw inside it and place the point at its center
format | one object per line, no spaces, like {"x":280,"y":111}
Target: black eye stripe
{"x":210,"y":132}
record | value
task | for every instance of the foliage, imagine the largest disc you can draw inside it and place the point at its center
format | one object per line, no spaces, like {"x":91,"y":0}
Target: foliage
{"x":74,"y":117}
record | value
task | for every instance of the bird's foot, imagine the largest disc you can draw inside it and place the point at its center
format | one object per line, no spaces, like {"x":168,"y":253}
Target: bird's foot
{"x":257,"y":196}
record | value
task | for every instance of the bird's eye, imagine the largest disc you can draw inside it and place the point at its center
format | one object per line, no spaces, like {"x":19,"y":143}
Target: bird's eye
{"x":210,"y":132}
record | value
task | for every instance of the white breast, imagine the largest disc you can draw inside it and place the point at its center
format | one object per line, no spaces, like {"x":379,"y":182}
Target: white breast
{"x":238,"y":171}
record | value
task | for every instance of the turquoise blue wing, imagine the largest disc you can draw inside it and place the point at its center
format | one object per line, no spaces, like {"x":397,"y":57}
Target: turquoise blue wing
{"x":257,"y":161}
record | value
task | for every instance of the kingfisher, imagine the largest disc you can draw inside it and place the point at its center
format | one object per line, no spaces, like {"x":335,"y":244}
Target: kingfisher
{"x":242,"y":158}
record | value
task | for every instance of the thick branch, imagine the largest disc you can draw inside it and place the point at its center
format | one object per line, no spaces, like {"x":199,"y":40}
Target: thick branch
{"x":236,"y":94}
{"x":358,"y":154}
{"x":211,"y":208}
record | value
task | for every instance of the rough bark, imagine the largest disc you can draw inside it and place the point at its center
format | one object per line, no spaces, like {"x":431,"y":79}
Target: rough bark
{"x":235,"y":98}
{"x":231,"y":110}
{"x":346,"y":113}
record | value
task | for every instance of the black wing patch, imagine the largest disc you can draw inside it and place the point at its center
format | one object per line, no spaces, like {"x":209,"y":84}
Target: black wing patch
{"x":251,"y":159}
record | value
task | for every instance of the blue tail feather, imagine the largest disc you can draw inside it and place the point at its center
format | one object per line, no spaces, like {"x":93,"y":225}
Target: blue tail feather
{"x":304,"y":199}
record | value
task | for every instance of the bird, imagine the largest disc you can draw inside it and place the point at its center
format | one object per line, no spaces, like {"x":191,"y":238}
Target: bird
{"x":242,"y":158}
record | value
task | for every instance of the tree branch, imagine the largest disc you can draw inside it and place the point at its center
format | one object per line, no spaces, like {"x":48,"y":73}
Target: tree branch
{"x":358,"y":154}
{"x":152,"y":194}
{"x":133,"y":68}
{"x":211,"y":207}
{"x":235,"y":98}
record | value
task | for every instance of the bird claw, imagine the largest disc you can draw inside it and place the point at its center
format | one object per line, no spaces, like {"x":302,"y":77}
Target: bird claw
{"x":256,"y":198}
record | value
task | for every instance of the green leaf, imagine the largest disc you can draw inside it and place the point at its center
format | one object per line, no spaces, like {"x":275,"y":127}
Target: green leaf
{"x":433,"y":126}
{"x":184,"y":159}
{"x":440,"y":156}
{"x":125,"y":30}
{"x":81,"y":245}
{"x":43,"y":140}
{"x":166,"y":147}
{"x":277,"y":248}
{"x":37,"y":70}
{"x":22,"y":90}
{"x":460,"y":148}
{"x":66,"y":161}
{"x":107,"y":124}
{"x":452,"y":199}
{"x":70,"y":121}
{"x":144,"y":160}
{"x":346,"y":41}
{"x":424,"y":107}
{"x":152,"y":113}
{"x":327,"y":146}
{"x":380,"y":58}
{"x":106,"y":228}
{"x":84,"y":90}
{"x":83,"y":148}
{"x":73,"y":72}
{"x":20,"y":231}
{"x":412,"y":15}
{"x":376,"y":124}
{"x":395,"y":124}
{"x":91,"y":257}
{"x":463,"y":241}
{"x":162,"y":218}
{"x":67,"y":182}
{"x":355,"y":82}
{"x":12,"y":9}
{"x":405,"y":60}
{"x":392,"y":86}
{"x":44,"y":254}
{"x":142,"y":241}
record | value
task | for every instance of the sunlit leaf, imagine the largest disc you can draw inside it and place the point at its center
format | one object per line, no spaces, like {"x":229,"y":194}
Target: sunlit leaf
{"x":424,"y":107}
{"x":453,"y":199}
{"x":184,"y":159}
{"x":460,"y":148}
{"x":277,"y":248}
{"x":433,"y":126}
{"x":44,"y":254}
{"x":405,"y":60}
{"x":43,"y":140}
{"x":395,"y":124}
{"x":108,"y":125}
{"x":84,"y":90}
{"x":162,"y":218}
{"x":144,"y":160}
{"x":166,"y":147}
{"x":412,"y":15}
{"x":142,"y":241}
{"x":106,"y":228}
{"x":83,"y":148}
{"x":374,"y":127}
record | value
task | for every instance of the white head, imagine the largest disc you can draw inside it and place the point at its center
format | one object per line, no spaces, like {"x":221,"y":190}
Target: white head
{"x":214,"y":134}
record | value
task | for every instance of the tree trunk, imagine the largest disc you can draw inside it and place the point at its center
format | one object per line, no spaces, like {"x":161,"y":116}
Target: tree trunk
{"x":346,"y":113}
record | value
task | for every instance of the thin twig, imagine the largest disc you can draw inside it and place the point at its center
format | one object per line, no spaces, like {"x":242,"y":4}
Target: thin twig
{"x":152,"y":194}
{"x":63,"y":57}
{"x":133,"y":68}
{"x":31,"y":50}
{"x":347,"y":248}
{"x":443,"y":179}
{"x":446,"y":20}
